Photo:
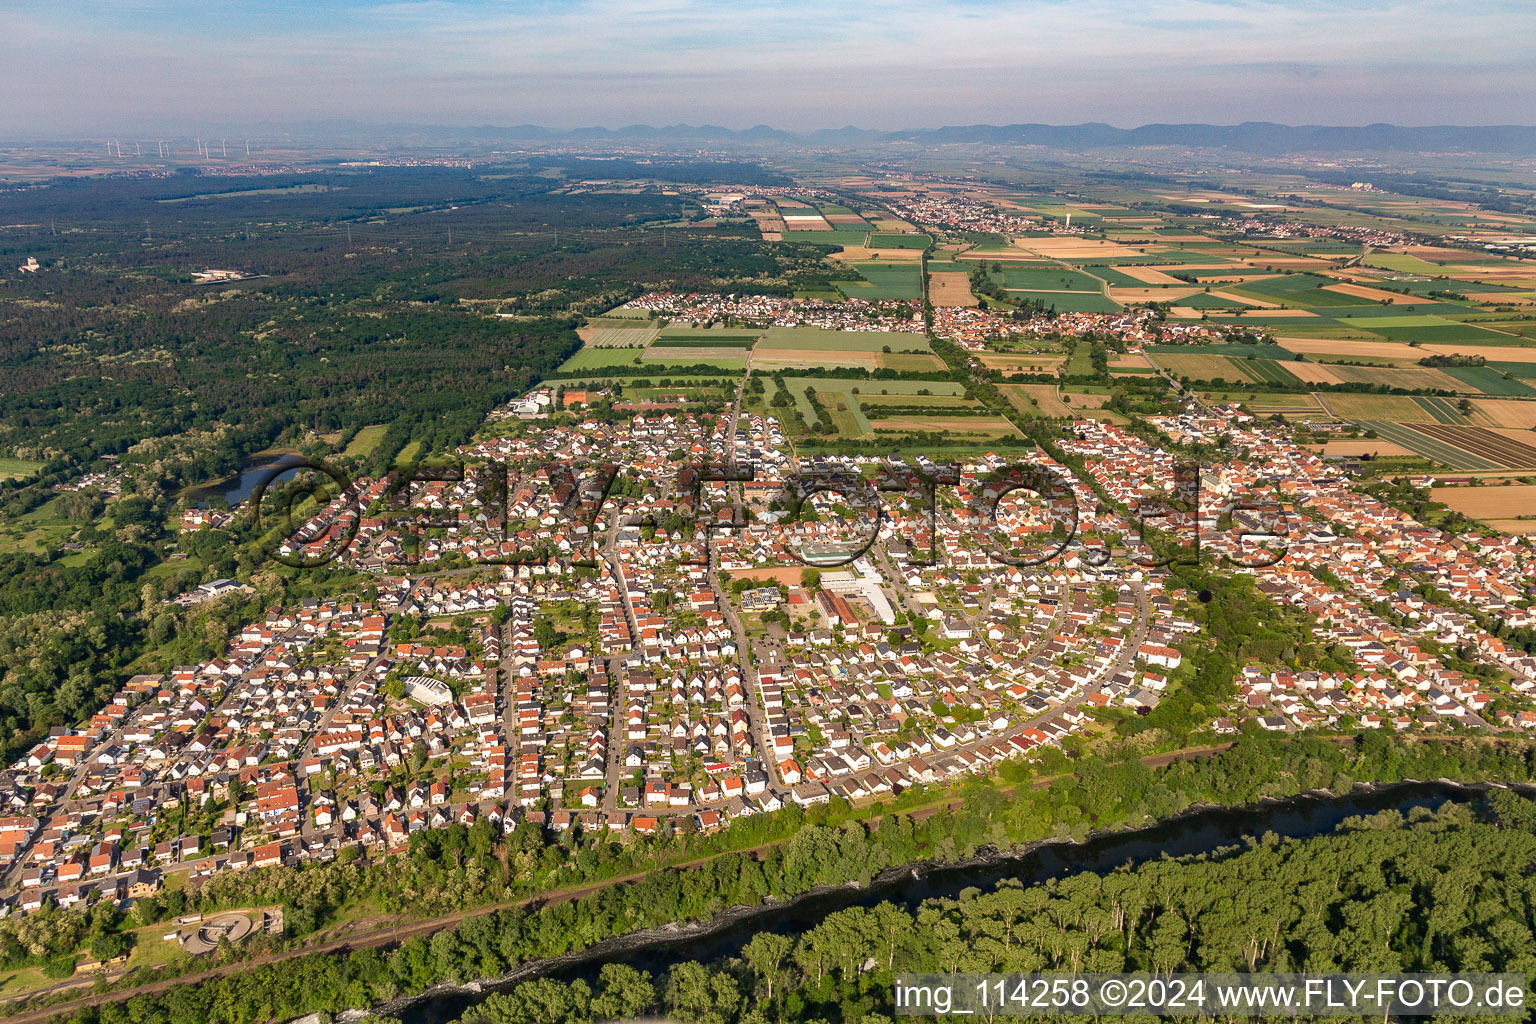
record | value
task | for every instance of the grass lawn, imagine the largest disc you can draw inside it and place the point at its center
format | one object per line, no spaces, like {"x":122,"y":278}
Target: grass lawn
{"x":366,"y":440}
{"x":10,"y":468}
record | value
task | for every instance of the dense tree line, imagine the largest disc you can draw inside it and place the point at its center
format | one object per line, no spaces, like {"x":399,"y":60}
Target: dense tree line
{"x":1442,"y":891}
{"x":463,"y":868}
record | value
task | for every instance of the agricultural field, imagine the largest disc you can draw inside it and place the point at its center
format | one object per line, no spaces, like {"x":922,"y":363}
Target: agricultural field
{"x":791,"y":347}
{"x":950,"y":289}
{"x":1036,"y":400}
{"x":1504,"y":412}
{"x":1410,"y":378}
{"x":600,"y":359}
{"x":1508,"y":502}
{"x":365,"y":441}
{"x":1053,"y":279}
{"x":858,"y":407}
{"x":1022,"y":362}
{"x":884,"y":281}
{"x":1490,"y":381}
{"x":1068,"y":302}
{"x":1403,"y":408}
{"x":617,"y":333}
{"x":885,"y":240}
{"x":17,"y":468}
{"x":1264,"y":403}
{"x":1458,"y":447}
{"x":1200,"y":366}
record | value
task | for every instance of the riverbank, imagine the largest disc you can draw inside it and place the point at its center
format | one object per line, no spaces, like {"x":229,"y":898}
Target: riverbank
{"x":1207,"y":830}
{"x":543,"y":926}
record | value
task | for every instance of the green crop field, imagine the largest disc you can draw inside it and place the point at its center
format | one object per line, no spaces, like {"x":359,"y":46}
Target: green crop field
{"x":1490,"y":381}
{"x":709,"y":334}
{"x":17,"y":468}
{"x":1444,"y":332}
{"x":841,"y":341}
{"x":1403,"y":263}
{"x":1053,"y":279}
{"x":1069,"y":302}
{"x":884,"y":281}
{"x":827,"y":237}
{"x":722,"y":358}
{"x":887,"y":240}
{"x":598,"y":358}
{"x":1237,"y":351}
{"x":365,"y":440}
{"x":1268,"y":370}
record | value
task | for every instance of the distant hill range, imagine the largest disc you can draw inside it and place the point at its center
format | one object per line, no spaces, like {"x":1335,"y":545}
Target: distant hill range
{"x":1253,"y":137}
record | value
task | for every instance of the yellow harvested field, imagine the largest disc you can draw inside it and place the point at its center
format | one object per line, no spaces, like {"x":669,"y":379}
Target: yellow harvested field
{"x":1123,"y":295}
{"x":1126,"y":360}
{"x":1340,"y":347}
{"x":1508,"y":413}
{"x":1396,"y":408}
{"x":1292,"y":262}
{"x":1185,"y":312}
{"x":990,"y":426}
{"x":1502,"y":298}
{"x":999,"y":255}
{"x":1245,"y":300}
{"x":1044,"y":395}
{"x":1353,"y":449}
{"x":1505,"y":502}
{"x":1314,"y":373}
{"x":863,"y":254}
{"x":790,"y":358}
{"x":1151,"y":275}
{"x":950,"y":290}
{"x":1018,"y":362}
{"x":1512,"y":525}
{"x":1360,"y":291}
{"x":1069,"y":248}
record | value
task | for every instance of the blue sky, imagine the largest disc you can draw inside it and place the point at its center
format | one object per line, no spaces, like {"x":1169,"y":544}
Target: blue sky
{"x":93,"y":64}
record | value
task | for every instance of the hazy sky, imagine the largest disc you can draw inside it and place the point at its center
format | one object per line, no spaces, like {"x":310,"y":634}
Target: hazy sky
{"x":103,"y":64}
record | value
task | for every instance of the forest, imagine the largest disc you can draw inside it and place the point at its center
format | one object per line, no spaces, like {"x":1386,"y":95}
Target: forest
{"x":417,"y":298}
{"x":1443,"y":891}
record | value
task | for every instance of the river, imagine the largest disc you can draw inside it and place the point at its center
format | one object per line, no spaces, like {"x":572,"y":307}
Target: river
{"x":1206,"y":830}
{"x":235,"y":489}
